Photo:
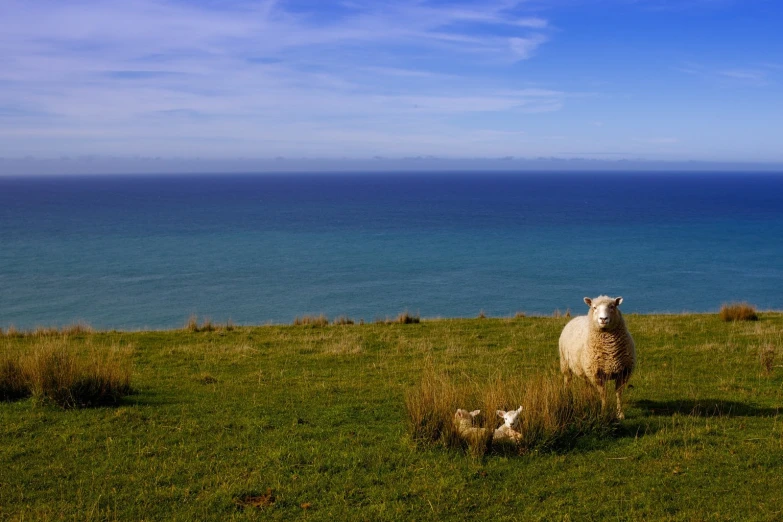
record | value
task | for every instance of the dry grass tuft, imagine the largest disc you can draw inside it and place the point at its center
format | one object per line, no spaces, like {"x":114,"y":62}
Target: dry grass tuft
{"x":13,"y":384}
{"x":553,"y":416}
{"x":343,"y":320}
{"x":738,"y":312}
{"x":311,"y":320}
{"x":54,"y":373}
{"x":481,"y":315}
{"x":767,"y":359}
{"x":407,"y":318}
{"x":519,"y":315}
{"x":78,"y":328}
{"x":206,"y":326}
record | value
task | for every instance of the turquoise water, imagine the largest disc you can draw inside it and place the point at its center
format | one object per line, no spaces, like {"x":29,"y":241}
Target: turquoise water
{"x":146,"y":252}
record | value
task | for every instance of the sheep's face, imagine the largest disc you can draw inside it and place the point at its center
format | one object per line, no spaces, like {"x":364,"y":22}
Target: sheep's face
{"x":604,"y":311}
{"x":511,"y":417}
{"x":465,"y":415}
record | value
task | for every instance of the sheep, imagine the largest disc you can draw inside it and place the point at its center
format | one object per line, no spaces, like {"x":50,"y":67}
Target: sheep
{"x":509,"y":431}
{"x":463,"y":423}
{"x":598,"y":347}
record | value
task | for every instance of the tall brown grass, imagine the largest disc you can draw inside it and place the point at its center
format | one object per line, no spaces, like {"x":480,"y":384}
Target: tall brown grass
{"x":206,"y":325}
{"x":311,"y":320}
{"x":738,"y":312}
{"x":53,"y":372}
{"x":343,"y":321}
{"x":767,"y":358}
{"x":77,"y":328}
{"x":403,"y":318}
{"x":13,"y":384}
{"x":553,"y":416}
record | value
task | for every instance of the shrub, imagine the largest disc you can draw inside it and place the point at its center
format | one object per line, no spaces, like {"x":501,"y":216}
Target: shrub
{"x":553,"y":416}
{"x":55,"y":373}
{"x":738,"y":312}
{"x":311,"y":320}
{"x":519,"y":315}
{"x":481,"y":315}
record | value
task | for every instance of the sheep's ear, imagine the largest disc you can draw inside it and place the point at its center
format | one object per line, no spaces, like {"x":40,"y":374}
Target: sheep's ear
{"x":588,"y":301}
{"x":500,"y":413}
{"x":618,"y":300}
{"x":519,"y":410}
{"x":474,"y":413}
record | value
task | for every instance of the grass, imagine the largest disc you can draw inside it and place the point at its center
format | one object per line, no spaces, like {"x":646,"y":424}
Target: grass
{"x":738,"y":312}
{"x":52,"y":371}
{"x":311,"y":320}
{"x":553,"y":418}
{"x":285,"y":422}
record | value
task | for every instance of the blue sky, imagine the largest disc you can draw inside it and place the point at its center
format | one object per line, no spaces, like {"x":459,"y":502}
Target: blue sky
{"x":661,"y":80}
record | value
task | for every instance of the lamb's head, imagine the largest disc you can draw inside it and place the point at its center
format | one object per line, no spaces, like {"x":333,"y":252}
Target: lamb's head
{"x":605,"y":312}
{"x":511,"y":417}
{"x":465,"y":415}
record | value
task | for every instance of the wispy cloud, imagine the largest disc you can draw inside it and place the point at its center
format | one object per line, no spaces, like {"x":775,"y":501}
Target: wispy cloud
{"x":225,"y":75}
{"x":524,"y":48}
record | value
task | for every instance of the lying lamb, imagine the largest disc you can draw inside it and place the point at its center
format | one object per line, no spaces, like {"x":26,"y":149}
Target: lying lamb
{"x":599,"y":348}
{"x":463,"y":422}
{"x":509,"y":431}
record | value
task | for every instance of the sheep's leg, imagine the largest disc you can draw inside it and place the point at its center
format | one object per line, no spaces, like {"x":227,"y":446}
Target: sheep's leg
{"x":619,"y":386}
{"x":602,"y":392}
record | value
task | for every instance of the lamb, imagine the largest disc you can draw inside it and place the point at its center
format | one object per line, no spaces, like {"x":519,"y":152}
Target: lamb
{"x":509,"y":431}
{"x":598,"y":347}
{"x":463,"y":423}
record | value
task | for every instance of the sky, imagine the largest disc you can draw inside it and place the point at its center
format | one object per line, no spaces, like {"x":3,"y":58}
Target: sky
{"x":656,"y":80}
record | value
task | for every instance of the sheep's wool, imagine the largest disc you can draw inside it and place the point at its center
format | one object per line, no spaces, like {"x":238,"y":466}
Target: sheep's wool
{"x":599,"y":354}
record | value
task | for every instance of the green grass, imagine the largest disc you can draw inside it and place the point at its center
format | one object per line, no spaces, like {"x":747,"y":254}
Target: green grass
{"x":295,"y":422}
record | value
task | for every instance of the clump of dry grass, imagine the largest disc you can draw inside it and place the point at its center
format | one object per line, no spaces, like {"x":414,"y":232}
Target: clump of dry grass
{"x":767,"y":359}
{"x":404,"y":318}
{"x":738,"y":312}
{"x":407,"y":318}
{"x":13,"y":384}
{"x":54,"y":373}
{"x":77,"y":328}
{"x":553,"y":416}
{"x":205,"y":326}
{"x":481,"y":315}
{"x":519,"y":315}
{"x":311,"y":320}
{"x":343,"y":320}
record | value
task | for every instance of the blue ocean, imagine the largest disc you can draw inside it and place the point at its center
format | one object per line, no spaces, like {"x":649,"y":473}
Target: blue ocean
{"x":144,"y":252}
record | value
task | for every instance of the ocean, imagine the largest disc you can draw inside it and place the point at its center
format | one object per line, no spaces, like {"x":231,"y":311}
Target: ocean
{"x":146,"y":252}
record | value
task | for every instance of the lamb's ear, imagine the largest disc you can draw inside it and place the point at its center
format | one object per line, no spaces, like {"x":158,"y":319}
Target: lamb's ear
{"x":618,"y":300}
{"x":500,"y":413}
{"x":588,"y":301}
{"x":519,"y":410}
{"x":474,"y":413}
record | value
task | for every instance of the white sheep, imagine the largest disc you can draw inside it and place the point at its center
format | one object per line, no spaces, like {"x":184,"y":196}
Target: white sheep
{"x":463,"y":423}
{"x":509,"y":431}
{"x":598,"y":347}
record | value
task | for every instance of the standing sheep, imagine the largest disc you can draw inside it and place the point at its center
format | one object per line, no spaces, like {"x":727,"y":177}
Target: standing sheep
{"x":598,"y":347}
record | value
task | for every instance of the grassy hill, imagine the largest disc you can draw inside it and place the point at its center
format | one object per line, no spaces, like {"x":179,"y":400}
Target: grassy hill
{"x":309,"y":422}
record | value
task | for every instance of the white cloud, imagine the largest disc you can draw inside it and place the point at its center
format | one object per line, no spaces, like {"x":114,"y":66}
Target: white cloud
{"x":106,"y":76}
{"x":524,"y":48}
